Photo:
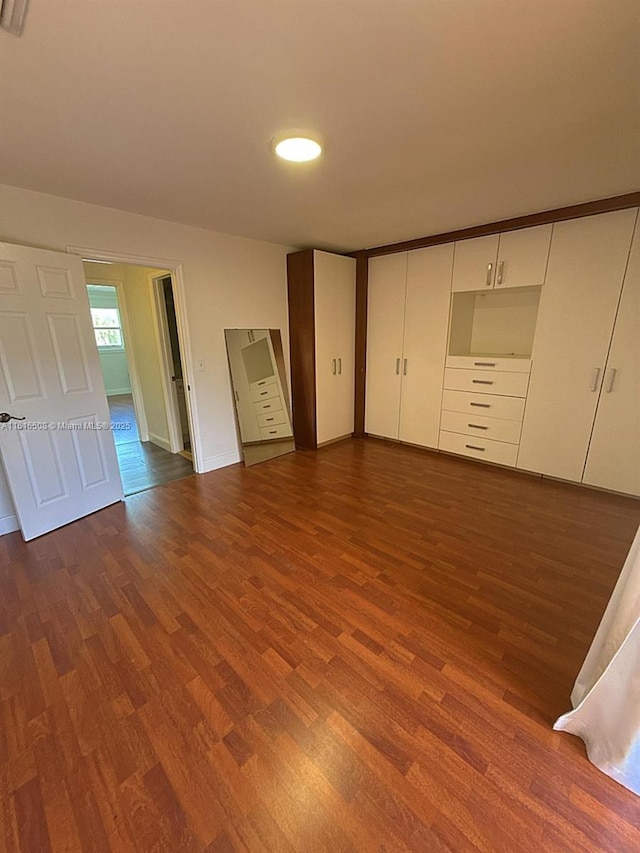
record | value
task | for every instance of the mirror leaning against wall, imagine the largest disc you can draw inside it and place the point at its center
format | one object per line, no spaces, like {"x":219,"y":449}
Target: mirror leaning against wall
{"x":258,"y":379}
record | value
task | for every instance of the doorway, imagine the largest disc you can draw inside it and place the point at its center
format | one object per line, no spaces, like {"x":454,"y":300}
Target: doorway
{"x":171,"y":356}
{"x":133,"y":334}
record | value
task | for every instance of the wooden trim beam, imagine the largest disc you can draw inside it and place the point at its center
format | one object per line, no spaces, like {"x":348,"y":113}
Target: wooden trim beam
{"x":575,"y":211}
{"x":302,"y":348}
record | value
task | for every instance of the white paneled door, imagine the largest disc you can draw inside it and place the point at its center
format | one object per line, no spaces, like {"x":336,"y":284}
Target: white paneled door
{"x":60,"y":460}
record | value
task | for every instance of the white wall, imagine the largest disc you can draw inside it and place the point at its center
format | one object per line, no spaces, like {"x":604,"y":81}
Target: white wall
{"x":229,"y":282}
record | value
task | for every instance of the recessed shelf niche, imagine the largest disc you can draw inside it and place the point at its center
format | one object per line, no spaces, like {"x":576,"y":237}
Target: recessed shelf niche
{"x":494,"y":323}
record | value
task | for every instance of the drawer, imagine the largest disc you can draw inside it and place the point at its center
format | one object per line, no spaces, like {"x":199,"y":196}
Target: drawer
{"x":509,"y":408}
{"x":277,"y":431}
{"x":267,"y":392}
{"x":272,"y":418}
{"x":481,"y":426}
{"x":272,"y":405}
{"x":478,"y":362}
{"x":485,"y":449}
{"x":486,"y":382}
{"x":261,"y":383}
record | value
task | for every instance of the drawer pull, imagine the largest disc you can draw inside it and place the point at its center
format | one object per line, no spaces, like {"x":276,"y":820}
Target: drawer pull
{"x":477,"y":426}
{"x":273,"y":432}
{"x":481,"y":405}
{"x":484,"y":363}
{"x":270,"y":419}
{"x":262,"y":393}
{"x":482,"y":381}
{"x":474,"y":447}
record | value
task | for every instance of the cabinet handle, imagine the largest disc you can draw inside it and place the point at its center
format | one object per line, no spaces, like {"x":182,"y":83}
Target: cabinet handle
{"x":262,"y":393}
{"x":474,"y":447}
{"x":612,"y":379}
{"x":477,"y":426}
{"x":596,"y":379}
{"x":269,"y":419}
{"x":273,"y":432}
{"x":482,"y":381}
{"x":397,"y":367}
{"x":489,"y":272}
{"x":339,"y":366}
{"x":404,"y":369}
{"x":333,"y":369}
{"x":484,"y":363}
{"x":500,"y":272}
{"x":481,"y":405}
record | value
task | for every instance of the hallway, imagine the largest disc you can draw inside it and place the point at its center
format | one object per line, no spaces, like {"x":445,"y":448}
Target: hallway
{"x":143,"y":465}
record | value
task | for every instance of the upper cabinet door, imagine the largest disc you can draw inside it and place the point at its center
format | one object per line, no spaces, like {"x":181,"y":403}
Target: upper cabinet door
{"x":523,"y":256}
{"x":614,"y":452}
{"x":474,"y":265}
{"x":385,"y":329}
{"x":425,"y":343}
{"x":575,"y":321}
{"x":344,"y":336}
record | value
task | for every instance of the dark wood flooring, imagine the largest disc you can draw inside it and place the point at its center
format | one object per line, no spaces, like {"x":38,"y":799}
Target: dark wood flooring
{"x":143,"y":465}
{"x":360,"y":649}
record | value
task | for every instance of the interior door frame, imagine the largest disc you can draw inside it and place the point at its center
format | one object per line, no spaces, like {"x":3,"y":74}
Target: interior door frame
{"x":173,"y":267}
{"x":127,"y":335}
{"x":165,"y":359}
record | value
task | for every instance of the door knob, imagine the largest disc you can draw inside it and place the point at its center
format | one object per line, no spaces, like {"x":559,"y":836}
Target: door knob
{"x":5,"y":417}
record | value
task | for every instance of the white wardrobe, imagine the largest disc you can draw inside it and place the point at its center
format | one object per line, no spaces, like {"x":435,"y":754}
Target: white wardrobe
{"x":521,"y":349}
{"x":582,"y":419}
{"x":408,"y":309}
{"x":321,"y":291}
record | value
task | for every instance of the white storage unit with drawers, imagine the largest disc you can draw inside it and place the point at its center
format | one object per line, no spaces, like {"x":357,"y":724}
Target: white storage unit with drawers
{"x":483,"y":406}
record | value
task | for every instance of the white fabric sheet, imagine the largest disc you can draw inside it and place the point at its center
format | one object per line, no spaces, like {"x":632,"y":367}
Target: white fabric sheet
{"x":606,"y":695}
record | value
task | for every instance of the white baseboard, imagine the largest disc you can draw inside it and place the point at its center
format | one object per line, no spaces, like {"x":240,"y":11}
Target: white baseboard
{"x":161,"y":442}
{"x":212,"y":463}
{"x":9,"y":524}
{"x":116,"y":392}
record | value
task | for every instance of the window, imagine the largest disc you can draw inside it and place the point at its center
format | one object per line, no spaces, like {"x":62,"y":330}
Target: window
{"x":107,"y":328}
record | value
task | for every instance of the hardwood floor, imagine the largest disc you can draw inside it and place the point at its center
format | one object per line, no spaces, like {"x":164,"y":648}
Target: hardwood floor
{"x":123,"y":418}
{"x":360,"y":649}
{"x":142,"y":464}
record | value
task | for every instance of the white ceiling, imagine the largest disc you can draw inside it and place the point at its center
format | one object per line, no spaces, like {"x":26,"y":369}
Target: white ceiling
{"x":437,"y":114}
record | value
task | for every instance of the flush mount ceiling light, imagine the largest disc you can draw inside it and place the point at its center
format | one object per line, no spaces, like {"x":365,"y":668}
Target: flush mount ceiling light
{"x":297,"y":148}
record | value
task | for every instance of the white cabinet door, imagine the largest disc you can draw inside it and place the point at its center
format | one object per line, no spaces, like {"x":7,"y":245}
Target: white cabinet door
{"x":64,"y":465}
{"x":425,"y":343}
{"x":385,"y":329}
{"x":344,"y":335}
{"x":324,"y":268}
{"x":614,"y":452}
{"x":523,"y":256}
{"x":474,"y":264}
{"x":577,"y":311}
